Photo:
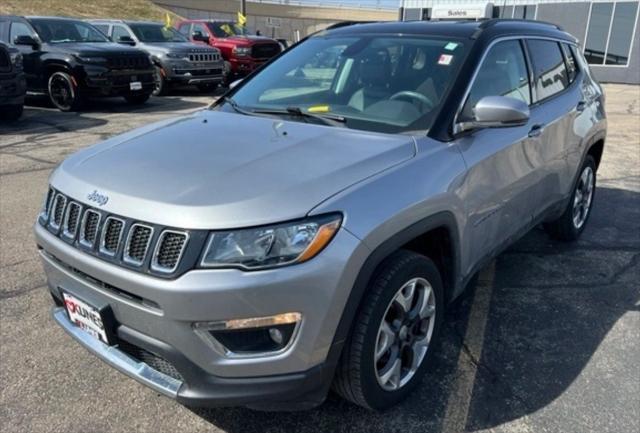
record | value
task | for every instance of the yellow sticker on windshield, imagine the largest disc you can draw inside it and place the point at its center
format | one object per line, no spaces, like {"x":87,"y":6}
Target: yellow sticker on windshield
{"x":318,"y":109}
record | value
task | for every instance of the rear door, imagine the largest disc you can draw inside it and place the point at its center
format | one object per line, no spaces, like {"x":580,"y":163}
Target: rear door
{"x":556,"y":104}
{"x":502,"y":162}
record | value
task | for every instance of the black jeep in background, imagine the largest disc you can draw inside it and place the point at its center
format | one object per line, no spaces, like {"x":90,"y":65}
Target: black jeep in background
{"x":12,"y":83}
{"x":71,"y":60}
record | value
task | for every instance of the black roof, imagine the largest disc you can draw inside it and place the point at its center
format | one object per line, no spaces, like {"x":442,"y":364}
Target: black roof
{"x":461,"y":29}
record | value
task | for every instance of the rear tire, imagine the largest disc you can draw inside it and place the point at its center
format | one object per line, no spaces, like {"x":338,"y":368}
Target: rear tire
{"x":571,"y":224}
{"x":11,"y":113}
{"x":63,"y":93}
{"x":384,"y":333}
{"x":138,"y":98}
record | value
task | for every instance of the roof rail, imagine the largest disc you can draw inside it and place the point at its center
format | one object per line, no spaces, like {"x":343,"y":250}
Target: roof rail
{"x":346,"y":23}
{"x":493,"y":21}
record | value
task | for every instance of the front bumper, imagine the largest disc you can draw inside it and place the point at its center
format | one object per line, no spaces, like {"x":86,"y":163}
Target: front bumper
{"x":185,"y":72}
{"x":157,"y":316}
{"x":104,"y":82}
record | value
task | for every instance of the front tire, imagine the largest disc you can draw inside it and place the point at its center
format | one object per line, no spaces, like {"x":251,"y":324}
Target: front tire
{"x":63,"y":93}
{"x":161,"y":85}
{"x":399,"y":320}
{"x":571,"y":224}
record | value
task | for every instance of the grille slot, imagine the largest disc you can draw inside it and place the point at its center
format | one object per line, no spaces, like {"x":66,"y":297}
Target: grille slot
{"x":46,"y":208}
{"x":137,"y":244}
{"x":128,"y":62}
{"x":89,"y":229}
{"x":59,"y":204}
{"x":111,"y":235}
{"x":71,"y":220}
{"x":169,"y":251}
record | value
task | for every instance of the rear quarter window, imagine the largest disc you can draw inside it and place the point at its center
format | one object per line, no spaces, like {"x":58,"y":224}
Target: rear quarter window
{"x":570,"y":58}
{"x":550,"y":72}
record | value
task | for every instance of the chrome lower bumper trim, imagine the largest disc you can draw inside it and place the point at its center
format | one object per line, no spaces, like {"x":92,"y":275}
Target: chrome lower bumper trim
{"x":139,"y":371}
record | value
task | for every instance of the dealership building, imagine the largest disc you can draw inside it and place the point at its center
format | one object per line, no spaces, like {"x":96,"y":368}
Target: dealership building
{"x":607,"y":30}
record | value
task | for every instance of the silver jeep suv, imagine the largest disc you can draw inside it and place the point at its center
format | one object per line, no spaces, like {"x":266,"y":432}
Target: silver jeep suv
{"x":308,"y":230}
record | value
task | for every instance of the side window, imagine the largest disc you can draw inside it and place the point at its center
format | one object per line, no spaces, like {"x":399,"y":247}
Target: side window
{"x":550,"y":72}
{"x":19,"y":29}
{"x":104,"y":28}
{"x":200,"y":28}
{"x":184,"y":29}
{"x":572,"y":69}
{"x":502,"y":73}
{"x":118,"y":32}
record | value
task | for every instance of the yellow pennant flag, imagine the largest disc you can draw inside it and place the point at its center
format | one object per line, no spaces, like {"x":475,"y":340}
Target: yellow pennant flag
{"x":167,"y":20}
{"x":242,"y":20}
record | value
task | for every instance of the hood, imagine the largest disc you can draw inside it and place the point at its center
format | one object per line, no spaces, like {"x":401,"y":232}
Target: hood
{"x":177,"y":47}
{"x":217,"y":170}
{"x":250,"y":40}
{"x":94,"y":49}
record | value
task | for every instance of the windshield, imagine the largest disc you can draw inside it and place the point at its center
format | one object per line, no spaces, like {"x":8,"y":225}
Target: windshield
{"x":156,"y":33}
{"x":385,"y":83}
{"x":60,"y":31}
{"x":224,"y":30}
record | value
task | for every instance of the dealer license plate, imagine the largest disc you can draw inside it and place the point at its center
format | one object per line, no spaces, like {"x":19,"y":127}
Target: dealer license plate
{"x":85,"y":317}
{"x":135,"y":85}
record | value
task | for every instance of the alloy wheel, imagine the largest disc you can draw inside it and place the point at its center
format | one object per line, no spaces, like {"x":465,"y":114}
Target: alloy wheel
{"x":583,"y":197}
{"x":61,"y":91}
{"x":404,"y":334}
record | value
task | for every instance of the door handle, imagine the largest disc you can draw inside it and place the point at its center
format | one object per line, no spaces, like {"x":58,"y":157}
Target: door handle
{"x":536,"y":130}
{"x":581,"y":106}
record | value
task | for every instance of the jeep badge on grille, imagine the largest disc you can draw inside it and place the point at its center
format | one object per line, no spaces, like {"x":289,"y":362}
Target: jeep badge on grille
{"x":98,"y":198}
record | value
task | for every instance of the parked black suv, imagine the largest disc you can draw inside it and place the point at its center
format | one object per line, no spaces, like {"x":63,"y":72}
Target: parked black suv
{"x":12,"y":83}
{"x":71,"y":60}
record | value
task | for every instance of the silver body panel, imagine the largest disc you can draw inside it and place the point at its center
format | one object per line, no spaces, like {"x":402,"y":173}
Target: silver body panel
{"x":214,"y":170}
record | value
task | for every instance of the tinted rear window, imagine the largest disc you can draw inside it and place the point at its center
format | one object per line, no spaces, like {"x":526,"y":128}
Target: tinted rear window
{"x":550,"y":72}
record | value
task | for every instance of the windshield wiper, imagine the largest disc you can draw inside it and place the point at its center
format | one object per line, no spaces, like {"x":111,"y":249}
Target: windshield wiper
{"x":327,"y":119}
{"x":233,"y":104}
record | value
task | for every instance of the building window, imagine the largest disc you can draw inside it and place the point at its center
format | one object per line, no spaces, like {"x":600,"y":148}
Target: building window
{"x":412,"y":14}
{"x":624,"y":19}
{"x":523,"y":12}
{"x":610,"y":33}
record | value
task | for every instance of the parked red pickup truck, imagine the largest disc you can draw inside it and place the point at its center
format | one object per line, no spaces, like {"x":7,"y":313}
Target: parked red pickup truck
{"x":243,"y":52}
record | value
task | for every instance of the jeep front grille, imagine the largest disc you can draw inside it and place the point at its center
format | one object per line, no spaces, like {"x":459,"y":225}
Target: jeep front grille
{"x":129,"y":62}
{"x":139,"y":246}
{"x":203,"y":57}
{"x":169,"y":250}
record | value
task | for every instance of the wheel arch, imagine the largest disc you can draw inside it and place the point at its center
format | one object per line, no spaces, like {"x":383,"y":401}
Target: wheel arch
{"x":418,"y":237}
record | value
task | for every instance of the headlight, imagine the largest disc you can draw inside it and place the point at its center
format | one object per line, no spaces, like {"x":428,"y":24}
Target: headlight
{"x":16,"y":59}
{"x":92,"y":60}
{"x":270,"y":246}
{"x":175,"y":56}
{"x":242,"y":51}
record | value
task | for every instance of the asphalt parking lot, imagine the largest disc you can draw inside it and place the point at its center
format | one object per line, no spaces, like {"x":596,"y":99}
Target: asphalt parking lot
{"x":549,"y":341}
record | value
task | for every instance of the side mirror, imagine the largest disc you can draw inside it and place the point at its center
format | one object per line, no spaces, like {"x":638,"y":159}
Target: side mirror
{"x":497,"y":112}
{"x":26,"y":40}
{"x":126,"y":40}
{"x":235,"y":83}
{"x":198,"y":36}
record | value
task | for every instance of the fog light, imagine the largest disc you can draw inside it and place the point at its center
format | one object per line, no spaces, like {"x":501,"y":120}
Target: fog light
{"x":276,"y":335}
{"x":256,"y":336}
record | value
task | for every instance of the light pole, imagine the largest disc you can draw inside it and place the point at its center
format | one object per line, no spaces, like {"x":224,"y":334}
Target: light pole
{"x":243,"y":7}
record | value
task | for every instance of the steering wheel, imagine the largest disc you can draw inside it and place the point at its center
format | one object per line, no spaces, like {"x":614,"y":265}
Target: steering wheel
{"x":413,"y":95}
